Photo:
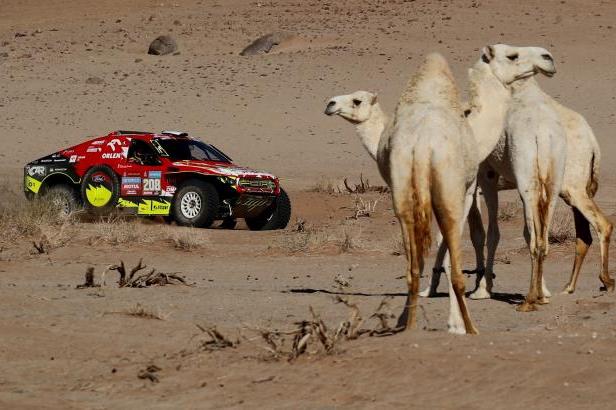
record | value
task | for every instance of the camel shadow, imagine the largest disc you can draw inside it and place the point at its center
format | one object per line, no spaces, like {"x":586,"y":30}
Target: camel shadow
{"x":337,"y":292}
{"x":510,"y":298}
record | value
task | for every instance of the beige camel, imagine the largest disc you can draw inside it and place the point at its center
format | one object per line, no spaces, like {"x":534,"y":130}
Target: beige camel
{"x":579,"y":187}
{"x":489,"y":106}
{"x":427,"y":156}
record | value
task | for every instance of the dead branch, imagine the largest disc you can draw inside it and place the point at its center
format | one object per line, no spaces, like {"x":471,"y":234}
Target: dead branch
{"x":217,"y":340}
{"x":89,"y":280}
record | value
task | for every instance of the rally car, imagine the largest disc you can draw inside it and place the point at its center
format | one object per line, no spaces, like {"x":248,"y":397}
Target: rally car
{"x":168,"y":174}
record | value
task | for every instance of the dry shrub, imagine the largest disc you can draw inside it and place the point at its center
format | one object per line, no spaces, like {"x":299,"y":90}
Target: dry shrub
{"x":324,"y":186}
{"x":509,"y":211}
{"x":216,"y":340}
{"x":313,"y":336}
{"x":363,"y":208}
{"x":39,"y":219}
{"x":364,"y":187}
{"x":144,"y":312}
{"x":153,"y":278}
{"x":185,"y":239}
{"x":314,"y":239}
{"x":117,"y":230}
{"x":397,"y":245}
{"x":562,"y":229}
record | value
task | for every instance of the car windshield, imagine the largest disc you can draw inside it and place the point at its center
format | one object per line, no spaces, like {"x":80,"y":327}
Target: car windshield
{"x":186,"y":149}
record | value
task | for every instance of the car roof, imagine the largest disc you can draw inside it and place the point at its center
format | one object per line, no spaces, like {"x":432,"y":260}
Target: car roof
{"x":148,"y":135}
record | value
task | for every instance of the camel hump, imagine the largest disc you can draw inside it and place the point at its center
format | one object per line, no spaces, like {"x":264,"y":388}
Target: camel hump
{"x":433,"y":83}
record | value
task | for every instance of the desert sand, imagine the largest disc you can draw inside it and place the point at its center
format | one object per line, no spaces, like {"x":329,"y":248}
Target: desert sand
{"x":71,"y":69}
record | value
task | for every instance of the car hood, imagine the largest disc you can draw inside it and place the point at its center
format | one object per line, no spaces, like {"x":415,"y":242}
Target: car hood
{"x":219,"y":168}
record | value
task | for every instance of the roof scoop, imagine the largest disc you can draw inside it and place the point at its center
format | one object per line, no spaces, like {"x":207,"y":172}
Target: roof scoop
{"x":175,"y":133}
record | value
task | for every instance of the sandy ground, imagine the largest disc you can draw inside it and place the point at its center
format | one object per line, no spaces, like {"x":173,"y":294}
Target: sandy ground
{"x":62,"y":347}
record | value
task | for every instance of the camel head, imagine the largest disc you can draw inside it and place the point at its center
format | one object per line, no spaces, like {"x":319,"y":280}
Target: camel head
{"x":355,"y":108}
{"x":510,"y":63}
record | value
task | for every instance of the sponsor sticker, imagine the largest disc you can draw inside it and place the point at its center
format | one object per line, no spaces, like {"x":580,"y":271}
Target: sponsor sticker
{"x":130,"y":186}
{"x":37,"y":170}
{"x":73,"y":158}
{"x":153,"y":207}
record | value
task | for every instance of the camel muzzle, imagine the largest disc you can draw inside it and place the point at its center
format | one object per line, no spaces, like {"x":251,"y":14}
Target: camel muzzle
{"x":329,"y":110}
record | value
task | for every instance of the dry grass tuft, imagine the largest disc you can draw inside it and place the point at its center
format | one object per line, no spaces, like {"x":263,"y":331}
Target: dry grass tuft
{"x":314,"y":239}
{"x":39,"y":220}
{"x":325,"y":187}
{"x":185,"y":240}
{"x":117,"y":230}
{"x":509,"y":211}
{"x":363,"y":209}
{"x":562,"y":229}
{"x":144,"y":312}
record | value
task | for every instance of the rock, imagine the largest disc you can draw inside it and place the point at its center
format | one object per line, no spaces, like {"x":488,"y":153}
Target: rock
{"x":163,"y":45}
{"x":266,"y":43}
{"x":95,"y":80}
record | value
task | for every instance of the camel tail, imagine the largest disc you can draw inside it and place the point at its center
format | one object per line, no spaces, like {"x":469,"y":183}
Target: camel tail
{"x":593,"y":181}
{"x":421,"y":199}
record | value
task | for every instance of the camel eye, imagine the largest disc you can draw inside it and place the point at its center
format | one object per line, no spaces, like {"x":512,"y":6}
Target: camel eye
{"x":356,"y":102}
{"x":513,"y":57}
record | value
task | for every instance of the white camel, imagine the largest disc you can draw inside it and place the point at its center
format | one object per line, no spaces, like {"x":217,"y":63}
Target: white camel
{"x":427,"y":156}
{"x":578,"y":189}
{"x":489,"y":106}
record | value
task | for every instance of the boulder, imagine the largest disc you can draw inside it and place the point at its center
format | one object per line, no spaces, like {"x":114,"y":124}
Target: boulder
{"x":162,"y":45}
{"x":266,"y":43}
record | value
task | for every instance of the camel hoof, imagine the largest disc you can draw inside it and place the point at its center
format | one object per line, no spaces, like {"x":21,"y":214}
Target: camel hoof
{"x":543,"y":301}
{"x":480,"y":294}
{"x":608,"y":284}
{"x":456,"y":329}
{"x":526,"y":307}
{"x":568,"y":290}
{"x":427,"y":293}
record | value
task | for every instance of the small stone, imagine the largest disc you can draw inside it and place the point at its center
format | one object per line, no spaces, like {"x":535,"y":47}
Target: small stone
{"x":95,"y":81}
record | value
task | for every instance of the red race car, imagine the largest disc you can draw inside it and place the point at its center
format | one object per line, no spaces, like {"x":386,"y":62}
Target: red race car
{"x":167,"y":174}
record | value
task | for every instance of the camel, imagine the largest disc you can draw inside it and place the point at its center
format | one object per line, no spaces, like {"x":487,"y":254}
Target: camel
{"x":426,"y":154}
{"x":489,"y":107}
{"x":578,"y":190}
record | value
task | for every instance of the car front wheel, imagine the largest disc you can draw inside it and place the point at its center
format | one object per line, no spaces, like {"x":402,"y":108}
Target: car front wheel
{"x":195,"y":203}
{"x":276,"y":217}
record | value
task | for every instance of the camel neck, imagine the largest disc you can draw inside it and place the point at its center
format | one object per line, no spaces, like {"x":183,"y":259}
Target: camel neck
{"x":489,"y":104}
{"x":370,"y":130}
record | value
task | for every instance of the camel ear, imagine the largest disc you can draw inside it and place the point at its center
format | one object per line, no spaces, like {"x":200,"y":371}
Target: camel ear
{"x":373,"y":101}
{"x":487,"y":54}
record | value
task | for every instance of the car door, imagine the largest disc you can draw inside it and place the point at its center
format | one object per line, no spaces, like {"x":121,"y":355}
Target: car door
{"x":141,"y":184}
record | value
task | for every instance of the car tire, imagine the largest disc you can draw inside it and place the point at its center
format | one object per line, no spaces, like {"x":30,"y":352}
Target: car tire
{"x":195,"y":203}
{"x":100,"y":189}
{"x":276,"y":217}
{"x":65,"y":197}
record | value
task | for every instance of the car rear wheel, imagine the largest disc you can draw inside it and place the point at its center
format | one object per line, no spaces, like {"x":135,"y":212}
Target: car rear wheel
{"x":64,"y":198}
{"x":276,"y":217}
{"x":100,"y":189}
{"x":195,"y":203}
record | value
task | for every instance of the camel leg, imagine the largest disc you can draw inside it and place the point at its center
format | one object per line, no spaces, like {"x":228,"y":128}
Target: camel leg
{"x":459,"y":316}
{"x":490,"y":194}
{"x":478,"y":235}
{"x":408,"y":318}
{"x":435,"y":277}
{"x":590,"y":213}
{"x":583,"y":240}
{"x":535,"y":234}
